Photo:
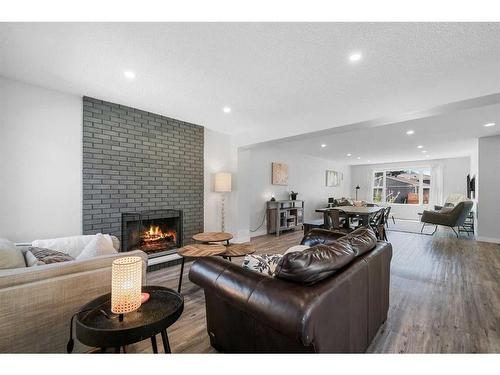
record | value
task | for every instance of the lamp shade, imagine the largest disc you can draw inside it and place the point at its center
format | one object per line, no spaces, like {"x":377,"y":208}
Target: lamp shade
{"x":126,"y":283}
{"x":223,"y":182}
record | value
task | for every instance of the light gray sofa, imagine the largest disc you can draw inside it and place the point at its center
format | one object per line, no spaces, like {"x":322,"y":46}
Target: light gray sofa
{"x":36,"y":303}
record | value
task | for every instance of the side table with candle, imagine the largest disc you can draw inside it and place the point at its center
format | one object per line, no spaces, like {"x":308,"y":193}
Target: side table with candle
{"x":98,"y":326}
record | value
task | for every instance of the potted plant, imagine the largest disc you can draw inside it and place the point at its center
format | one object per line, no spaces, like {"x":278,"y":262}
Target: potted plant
{"x":293,"y":195}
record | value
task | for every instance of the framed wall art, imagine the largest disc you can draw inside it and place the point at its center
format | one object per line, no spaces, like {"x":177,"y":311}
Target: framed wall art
{"x":334,"y":178}
{"x":279,"y":174}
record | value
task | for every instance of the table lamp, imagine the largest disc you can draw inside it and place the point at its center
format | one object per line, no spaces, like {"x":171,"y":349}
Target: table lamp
{"x":126,"y":284}
{"x":222,"y":185}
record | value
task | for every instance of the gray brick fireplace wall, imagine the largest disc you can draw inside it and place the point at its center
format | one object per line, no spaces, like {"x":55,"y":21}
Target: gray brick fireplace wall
{"x":135,"y":160}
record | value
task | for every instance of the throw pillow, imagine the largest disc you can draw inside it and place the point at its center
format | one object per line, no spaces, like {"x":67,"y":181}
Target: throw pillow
{"x":263,"y":263}
{"x":100,"y":245}
{"x":72,"y":245}
{"x":361,"y":240}
{"x":37,"y":256}
{"x":10,"y":255}
{"x":314,"y":264}
{"x":297,"y":248}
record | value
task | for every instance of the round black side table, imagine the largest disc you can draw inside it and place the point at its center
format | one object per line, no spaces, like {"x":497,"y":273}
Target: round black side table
{"x":97,"y":326}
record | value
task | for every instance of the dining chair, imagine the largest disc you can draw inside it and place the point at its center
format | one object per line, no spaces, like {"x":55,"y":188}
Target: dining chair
{"x":378,"y":224}
{"x":333,"y":221}
{"x":387,"y":214}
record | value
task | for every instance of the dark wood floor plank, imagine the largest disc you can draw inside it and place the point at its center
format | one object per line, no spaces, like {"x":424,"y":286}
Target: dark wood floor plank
{"x":445,"y":297}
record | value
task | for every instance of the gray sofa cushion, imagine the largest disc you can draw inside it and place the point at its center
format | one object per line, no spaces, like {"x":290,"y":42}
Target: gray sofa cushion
{"x":10,"y":255}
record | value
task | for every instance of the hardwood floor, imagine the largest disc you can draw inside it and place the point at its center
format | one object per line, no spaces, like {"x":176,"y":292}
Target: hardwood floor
{"x":444,"y":297}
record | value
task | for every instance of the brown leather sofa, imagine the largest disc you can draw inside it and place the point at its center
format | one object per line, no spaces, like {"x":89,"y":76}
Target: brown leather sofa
{"x":248,"y":312}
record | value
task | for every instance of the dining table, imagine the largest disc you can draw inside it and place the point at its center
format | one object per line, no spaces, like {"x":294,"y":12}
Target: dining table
{"x":362,"y":213}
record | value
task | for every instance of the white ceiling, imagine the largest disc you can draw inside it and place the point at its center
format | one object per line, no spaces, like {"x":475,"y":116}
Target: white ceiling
{"x":449,"y":135}
{"x":280,"y":79}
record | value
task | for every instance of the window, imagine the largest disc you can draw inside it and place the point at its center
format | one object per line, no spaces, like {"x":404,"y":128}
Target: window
{"x":402,"y":186}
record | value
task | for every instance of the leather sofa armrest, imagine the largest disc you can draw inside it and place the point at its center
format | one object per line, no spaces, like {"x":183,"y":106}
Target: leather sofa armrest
{"x":277,"y":303}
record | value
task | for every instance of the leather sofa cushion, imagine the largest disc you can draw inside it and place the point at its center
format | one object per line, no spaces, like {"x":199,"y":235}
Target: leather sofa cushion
{"x":361,"y":240}
{"x":314,"y":264}
{"x":319,"y":236}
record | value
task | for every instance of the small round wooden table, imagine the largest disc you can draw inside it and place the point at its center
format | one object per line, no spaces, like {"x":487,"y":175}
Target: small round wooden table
{"x":197,"y":251}
{"x":207,"y":237}
{"x":238,"y":250}
{"x":97,"y":326}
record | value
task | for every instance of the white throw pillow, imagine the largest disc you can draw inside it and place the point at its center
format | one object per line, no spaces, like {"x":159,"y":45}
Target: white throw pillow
{"x":31,"y":260}
{"x":10,"y":255}
{"x":297,"y":248}
{"x":72,"y":245}
{"x":100,"y":245}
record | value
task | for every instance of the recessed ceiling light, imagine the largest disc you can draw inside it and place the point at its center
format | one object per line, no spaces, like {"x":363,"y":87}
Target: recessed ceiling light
{"x":323,"y":145}
{"x":426,"y":156}
{"x":424,"y":152}
{"x":420,"y":146}
{"x":410,"y":132}
{"x":489,"y":124}
{"x":129,"y":74}
{"x":226,"y":110}
{"x":355,"y":57}
{"x":349,"y":154}
{"x":359,"y":158}
{"x":369,"y":161}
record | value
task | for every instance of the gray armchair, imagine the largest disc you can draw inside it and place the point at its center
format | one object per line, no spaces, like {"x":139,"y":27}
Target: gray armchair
{"x":448,"y":216}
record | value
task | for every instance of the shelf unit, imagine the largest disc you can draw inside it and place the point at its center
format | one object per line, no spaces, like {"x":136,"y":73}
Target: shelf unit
{"x":284,"y":215}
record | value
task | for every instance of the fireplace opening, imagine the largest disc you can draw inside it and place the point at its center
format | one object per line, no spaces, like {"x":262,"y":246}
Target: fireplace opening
{"x":156,"y":232}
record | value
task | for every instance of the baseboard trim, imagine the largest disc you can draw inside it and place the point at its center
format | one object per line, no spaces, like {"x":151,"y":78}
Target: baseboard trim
{"x":163,"y":259}
{"x":258,"y":233}
{"x":242,"y":239}
{"x":488,"y":239}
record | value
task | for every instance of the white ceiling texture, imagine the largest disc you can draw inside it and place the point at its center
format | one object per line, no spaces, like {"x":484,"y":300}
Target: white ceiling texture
{"x":279,"y":79}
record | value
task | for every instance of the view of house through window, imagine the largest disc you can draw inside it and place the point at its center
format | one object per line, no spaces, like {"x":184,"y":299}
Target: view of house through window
{"x":403,"y":186}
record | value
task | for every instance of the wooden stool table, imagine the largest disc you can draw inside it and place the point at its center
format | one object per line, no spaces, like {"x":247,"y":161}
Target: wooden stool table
{"x":238,"y":250}
{"x":197,"y":251}
{"x":207,"y":237}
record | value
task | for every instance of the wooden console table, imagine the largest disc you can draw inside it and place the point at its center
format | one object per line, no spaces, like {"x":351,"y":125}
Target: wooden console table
{"x":284,"y":215}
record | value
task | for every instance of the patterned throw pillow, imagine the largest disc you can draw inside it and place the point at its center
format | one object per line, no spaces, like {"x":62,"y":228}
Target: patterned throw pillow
{"x":37,"y":256}
{"x":264,"y":263}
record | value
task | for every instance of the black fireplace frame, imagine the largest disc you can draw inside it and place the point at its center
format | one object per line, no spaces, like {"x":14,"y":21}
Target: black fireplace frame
{"x":141,"y":216}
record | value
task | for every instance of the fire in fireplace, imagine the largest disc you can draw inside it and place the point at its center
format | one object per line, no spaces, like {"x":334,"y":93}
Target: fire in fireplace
{"x":156,"y":232}
{"x":154,"y":239}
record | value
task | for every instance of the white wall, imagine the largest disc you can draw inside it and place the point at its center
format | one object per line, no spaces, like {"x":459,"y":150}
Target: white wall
{"x":41,"y":165}
{"x":306,"y":176}
{"x":220,"y":156}
{"x":453,"y":180}
{"x":488,"y":213}
{"x":40,"y":162}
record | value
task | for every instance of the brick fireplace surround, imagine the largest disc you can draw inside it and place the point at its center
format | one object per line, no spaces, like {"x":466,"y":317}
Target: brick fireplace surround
{"x":136,"y":161}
